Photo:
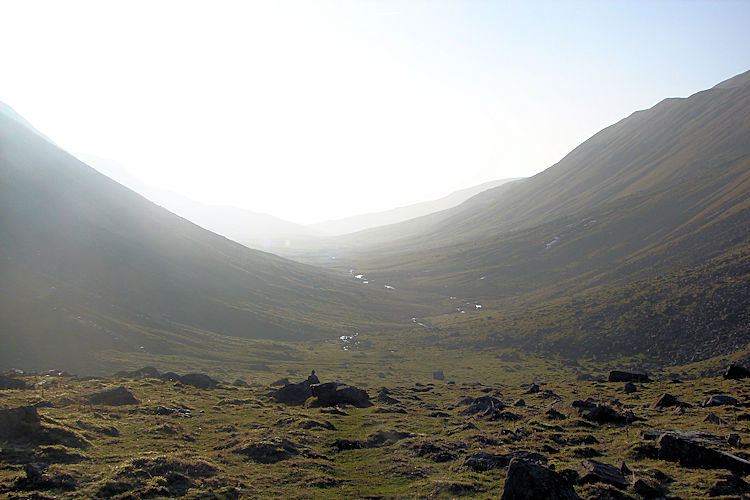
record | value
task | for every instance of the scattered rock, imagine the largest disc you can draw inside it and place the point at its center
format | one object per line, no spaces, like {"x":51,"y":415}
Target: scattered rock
{"x":629,"y":388}
{"x":198,"y":380}
{"x":719,"y":400}
{"x":432,"y":451}
{"x":383,"y":397}
{"x":117,"y":396}
{"x":482,"y":404}
{"x":438,"y":375}
{"x":533,"y":389}
{"x":735,"y":371}
{"x":531,"y":481}
{"x":729,"y":485}
{"x":553,"y":414}
{"x":519,"y":403}
{"x":175,"y":412}
{"x":621,"y":376}
{"x":240,"y":383}
{"x":649,"y":488}
{"x":480,"y":461}
{"x":711,"y":418}
{"x":268,"y":451}
{"x":602,"y":414}
{"x":293,"y":394}
{"x":333,"y":393}
{"x":667,"y":401}
{"x":346,"y":444}
{"x":688,"y":453}
{"x":281,"y":382}
{"x":592,"y":471}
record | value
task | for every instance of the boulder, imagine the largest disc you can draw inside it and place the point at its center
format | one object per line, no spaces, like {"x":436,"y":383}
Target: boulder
{"x":533,"y":389}
{"x":629,"y":388}
{"x":531,"y":481}
{"x":333,"y":393}
{"x":11,"y":383}
{"x":593,"y":471}
{"x":735,"y":371}
{"x":117,"y":396}
{"x":712,"y":418}
{"x":438,"y":375}
{"x":603,"y":414}
{"x":729,"y":485}
{"x":649,"y":488}
{"x":667,"y":401}
{"x":720,"y":400}
{"x":293,"y":394}
{"x":688,"y":453}
{"x":383,"y":397}
{"x":198,"y":380}
{"x":621,"y":376}
{"x":553,"y":414}
{"x":482,"y":404}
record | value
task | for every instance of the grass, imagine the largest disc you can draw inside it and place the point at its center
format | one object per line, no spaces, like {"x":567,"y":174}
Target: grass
{"x":148,"y":454}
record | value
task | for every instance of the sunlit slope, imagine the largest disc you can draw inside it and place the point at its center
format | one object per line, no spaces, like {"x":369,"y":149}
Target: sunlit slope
{"x":86,"y":265}
{"x":663,"y":187}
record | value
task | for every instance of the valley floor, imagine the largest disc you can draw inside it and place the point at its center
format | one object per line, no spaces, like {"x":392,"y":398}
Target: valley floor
{"x":438,"y":439}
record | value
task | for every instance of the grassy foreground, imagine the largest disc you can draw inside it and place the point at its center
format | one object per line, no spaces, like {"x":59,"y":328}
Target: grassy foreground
{"x":238,"y":442}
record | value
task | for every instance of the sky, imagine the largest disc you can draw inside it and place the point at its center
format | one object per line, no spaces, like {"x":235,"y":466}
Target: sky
{"x":317,"y":110}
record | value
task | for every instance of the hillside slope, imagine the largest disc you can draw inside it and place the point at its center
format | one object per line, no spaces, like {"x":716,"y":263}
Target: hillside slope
{"x":664,"y":190}
{"x":87,"y":265}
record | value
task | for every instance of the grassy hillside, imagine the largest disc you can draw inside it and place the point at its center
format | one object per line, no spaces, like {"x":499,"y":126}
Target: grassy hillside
{"x":89,"y":265}
{"x":663,"y":192}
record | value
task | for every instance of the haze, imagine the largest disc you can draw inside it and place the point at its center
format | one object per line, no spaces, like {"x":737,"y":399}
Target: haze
{"x":320,"y":110}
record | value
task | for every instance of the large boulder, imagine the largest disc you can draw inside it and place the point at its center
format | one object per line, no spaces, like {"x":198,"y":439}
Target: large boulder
{"x":334,"y":393}
{"x":117,"y":396}
{"x":530,"y":481}
{"x":689,"y":453}
{"x":198,"y":380}
{"x":11,"y":383}
{"x":735,"y":371}
{"x":620,"y":376}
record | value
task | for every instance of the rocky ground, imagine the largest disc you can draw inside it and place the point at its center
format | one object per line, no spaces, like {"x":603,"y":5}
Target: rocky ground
{"x":145,"y":434}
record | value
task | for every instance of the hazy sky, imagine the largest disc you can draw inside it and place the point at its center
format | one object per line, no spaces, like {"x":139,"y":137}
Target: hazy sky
{"x":317,"y":109}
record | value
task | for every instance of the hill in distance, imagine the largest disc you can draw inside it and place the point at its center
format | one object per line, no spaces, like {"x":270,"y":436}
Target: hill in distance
{"x":659,"y":196}
{"x":366,"y":221}
{"x":90,"y":269}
